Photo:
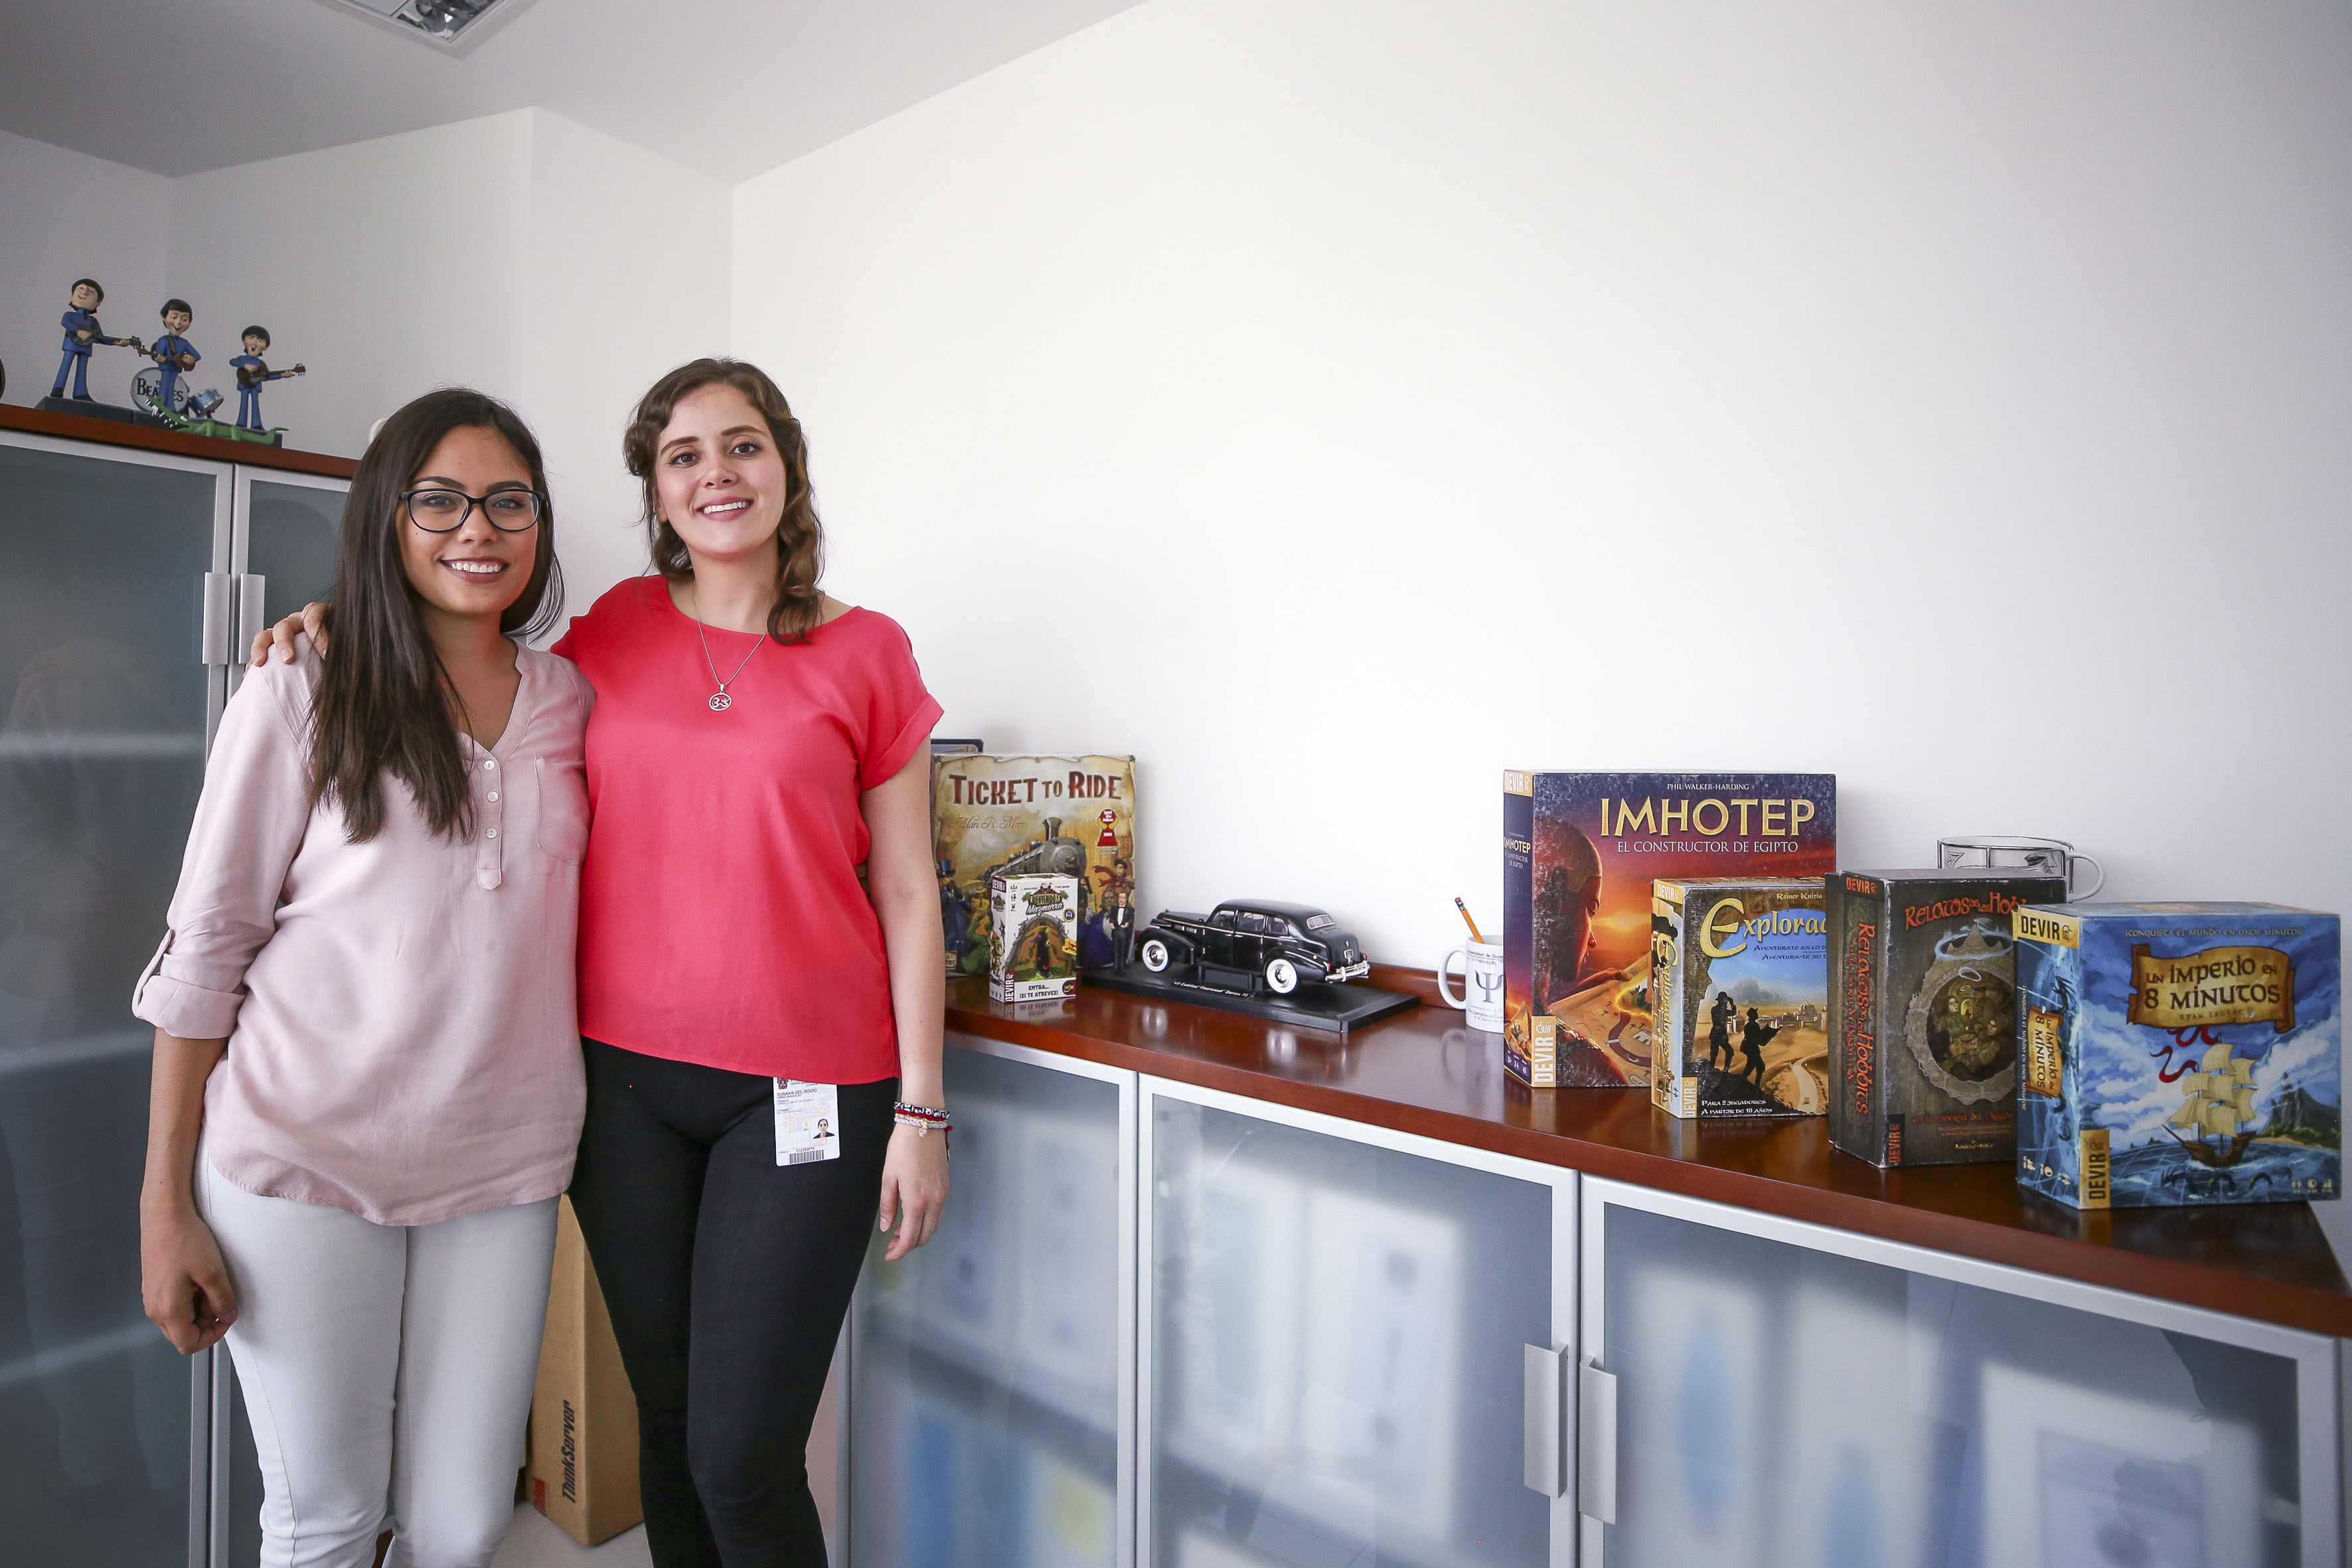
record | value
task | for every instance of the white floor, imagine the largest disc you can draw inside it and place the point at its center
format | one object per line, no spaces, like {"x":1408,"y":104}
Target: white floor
{"x":536,"y":1543}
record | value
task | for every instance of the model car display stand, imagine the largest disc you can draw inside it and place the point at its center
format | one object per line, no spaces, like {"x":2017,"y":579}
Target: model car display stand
{"x":1313,"y":1005}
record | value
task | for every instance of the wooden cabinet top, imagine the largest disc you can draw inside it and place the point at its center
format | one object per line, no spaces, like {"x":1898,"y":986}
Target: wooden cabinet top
{"x":147,"y":439}
{"x":1423,"y":1072}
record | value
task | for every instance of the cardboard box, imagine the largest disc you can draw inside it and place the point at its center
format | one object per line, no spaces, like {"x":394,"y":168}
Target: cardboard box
{"x":1033,"y":938}
{"x":1739,"y":969}
{"x":582,"y":1468}
{"x":2174,"y":1054}
{"x":1923,"y":1013}
{"x":1579,"y":852}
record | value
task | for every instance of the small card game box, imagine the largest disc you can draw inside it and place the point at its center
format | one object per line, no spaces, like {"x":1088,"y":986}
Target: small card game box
{"x":1923,"y":1013}
{"x":2173,"y":1054}
{"x":1740,"y":970}
{"x":1033,"y":936}
{"x":1579,"y":853}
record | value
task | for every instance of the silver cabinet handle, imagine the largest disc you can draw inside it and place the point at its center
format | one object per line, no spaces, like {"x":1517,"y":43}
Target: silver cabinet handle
{"x":1596,"y":1443}
{"x":214,"y":603}
{"x":249,"y":588}
{"x":1542,"y":1393}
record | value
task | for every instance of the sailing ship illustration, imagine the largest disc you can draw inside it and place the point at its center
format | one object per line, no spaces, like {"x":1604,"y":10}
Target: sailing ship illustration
{"x":2216,"y":1108}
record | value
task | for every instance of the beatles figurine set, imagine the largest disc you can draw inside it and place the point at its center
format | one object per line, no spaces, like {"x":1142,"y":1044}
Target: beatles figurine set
{"x":2120,"y":1054}
{"x":158,"y":395}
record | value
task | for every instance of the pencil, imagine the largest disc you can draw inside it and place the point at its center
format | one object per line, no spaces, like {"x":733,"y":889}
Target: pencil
{"x":1475,"y":935}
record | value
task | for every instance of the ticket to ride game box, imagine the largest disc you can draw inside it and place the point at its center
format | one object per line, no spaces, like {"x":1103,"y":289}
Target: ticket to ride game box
{"x":1579,"y":852}
{"x":2174,"y":1054}
{"x":1740,"y":969}
{"x":1923,"y":1013}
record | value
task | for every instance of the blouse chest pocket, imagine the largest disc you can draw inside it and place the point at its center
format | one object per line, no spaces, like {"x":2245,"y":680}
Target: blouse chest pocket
{"x":564,"y":810}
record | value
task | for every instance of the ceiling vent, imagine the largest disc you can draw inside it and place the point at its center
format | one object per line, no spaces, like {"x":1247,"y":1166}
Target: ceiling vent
{"x":453,"y":24}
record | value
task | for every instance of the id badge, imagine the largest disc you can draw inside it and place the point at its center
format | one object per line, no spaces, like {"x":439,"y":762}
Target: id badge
{"x":808,"y":1122}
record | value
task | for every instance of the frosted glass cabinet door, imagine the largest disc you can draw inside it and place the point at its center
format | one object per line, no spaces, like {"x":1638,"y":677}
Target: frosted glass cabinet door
{"x":287,"y":534}
{"x":102,"y":714}
{"x":1334,"y":1350}
{"x":1783,"y":1404}
{"x":989,"y":1369}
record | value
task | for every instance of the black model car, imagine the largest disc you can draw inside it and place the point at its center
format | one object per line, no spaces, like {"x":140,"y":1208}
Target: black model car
{"x":1250,"y":940}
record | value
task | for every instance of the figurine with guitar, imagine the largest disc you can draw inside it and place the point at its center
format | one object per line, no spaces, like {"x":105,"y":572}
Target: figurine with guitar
{"x":174,"y":354}
{"x":82,"y":334}
{"x":252,"y":371}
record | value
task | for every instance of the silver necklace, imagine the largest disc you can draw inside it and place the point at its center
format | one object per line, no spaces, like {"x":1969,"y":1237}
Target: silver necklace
{"x":720,"y":700}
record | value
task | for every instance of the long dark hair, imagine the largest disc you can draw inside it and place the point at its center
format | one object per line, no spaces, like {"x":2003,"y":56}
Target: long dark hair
{"x":800,"y":538}
{"x":384,"y":704}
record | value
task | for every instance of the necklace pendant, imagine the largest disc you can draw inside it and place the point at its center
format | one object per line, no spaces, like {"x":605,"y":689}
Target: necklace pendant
{"x":721,"y":703}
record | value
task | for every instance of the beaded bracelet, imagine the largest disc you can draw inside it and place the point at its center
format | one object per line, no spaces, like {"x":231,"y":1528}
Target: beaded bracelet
{"x":922,"y":1118}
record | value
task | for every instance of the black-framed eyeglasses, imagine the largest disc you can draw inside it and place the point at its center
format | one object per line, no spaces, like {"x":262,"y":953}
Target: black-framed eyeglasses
{"x":439,"y":511}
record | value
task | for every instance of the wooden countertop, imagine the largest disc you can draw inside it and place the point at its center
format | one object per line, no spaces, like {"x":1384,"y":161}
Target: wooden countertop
{"x":1423,"y":1073}
{"x":147,"y":439}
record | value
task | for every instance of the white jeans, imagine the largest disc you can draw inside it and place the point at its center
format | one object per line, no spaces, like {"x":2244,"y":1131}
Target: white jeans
{"x":387,"y":1371}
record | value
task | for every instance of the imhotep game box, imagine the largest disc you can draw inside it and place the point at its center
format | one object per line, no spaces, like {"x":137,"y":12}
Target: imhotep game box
{"x":1579,"y":852}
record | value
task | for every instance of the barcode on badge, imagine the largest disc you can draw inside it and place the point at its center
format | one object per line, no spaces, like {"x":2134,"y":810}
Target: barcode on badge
{"x":803,"y":1156}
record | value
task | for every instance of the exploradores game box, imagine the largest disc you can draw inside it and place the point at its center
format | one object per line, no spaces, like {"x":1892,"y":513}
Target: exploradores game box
{"x":1740,"y":968}
{"x":2178,"y":1053}
{"x":1579,"y":852}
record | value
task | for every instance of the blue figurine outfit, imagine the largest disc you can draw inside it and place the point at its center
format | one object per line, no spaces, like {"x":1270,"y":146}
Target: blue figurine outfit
{"x":168,"y":347}
{"x":248,"y":398}
{"x":77,"y":358}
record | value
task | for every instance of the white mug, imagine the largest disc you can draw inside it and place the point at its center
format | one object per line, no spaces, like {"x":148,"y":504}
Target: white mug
{"x":2053,"y":856}
{"x":1482,"y":983}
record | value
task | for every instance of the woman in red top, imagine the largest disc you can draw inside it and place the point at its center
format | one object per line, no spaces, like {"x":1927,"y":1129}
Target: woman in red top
{"x":762,"y":995}
{"x":759,"y":953}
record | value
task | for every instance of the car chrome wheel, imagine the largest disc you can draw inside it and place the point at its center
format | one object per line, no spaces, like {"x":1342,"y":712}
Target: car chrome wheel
{"x":1281,"y":976}
{"x":1155,"y":955}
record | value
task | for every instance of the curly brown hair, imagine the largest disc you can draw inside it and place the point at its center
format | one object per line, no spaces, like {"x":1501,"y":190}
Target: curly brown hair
{"x":800,"y":538}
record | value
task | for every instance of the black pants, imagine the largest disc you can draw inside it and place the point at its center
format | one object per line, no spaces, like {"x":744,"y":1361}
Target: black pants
{"x":727,"y":1278}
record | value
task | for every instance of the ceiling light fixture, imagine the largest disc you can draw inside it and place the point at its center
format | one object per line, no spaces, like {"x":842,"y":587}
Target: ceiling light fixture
{"x":440,"y":22}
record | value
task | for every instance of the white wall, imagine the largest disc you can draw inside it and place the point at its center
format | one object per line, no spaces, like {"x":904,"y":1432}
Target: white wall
{"x":542,"y":262}
{"x":65,"y":215}
{"x":628,"y":279}
{"x":370,"y":263}
{"x":1346,"y":400}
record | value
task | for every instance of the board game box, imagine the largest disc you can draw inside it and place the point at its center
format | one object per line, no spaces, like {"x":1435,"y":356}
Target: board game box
{"x":2177,"y":1054}
{"x":1739,"y":968}
{"x":1033,"y":939}
{"x":1923,"y":1013}
{"x":1071,"y":814}
{"x":1579,"y":852}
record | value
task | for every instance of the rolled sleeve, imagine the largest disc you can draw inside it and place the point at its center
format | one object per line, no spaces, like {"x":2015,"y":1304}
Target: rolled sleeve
{"x":249,"y":826}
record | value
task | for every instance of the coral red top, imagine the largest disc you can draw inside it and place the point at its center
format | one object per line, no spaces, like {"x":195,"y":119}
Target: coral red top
{"x":721,"y":919}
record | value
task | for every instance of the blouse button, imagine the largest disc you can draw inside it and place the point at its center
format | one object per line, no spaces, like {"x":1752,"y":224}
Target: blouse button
{"x":492,"y":833}
{"x":489,"y":764}
{"x":494,"y":795}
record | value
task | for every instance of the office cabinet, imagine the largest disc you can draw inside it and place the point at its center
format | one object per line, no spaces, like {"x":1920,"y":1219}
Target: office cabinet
{"x":1171,"y":1326}
{"x":1788,"y":1394}
{"x":1338,"y":1332}
{"x":991,"y":1371}
{"x":122,"y":576}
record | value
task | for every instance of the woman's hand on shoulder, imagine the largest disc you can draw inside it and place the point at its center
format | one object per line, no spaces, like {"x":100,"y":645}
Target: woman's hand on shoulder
{"x":914,"y":1188}
{"x":183,"y":1282}
{"x":310,"y":621}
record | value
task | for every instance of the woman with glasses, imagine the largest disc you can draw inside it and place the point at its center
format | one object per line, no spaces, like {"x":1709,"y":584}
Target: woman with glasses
{"x":367,"y":1089}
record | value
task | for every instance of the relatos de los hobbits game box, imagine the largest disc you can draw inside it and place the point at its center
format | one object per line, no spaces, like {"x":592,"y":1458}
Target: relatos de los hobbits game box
{"x":1923,"y":1013}
{"x":1579,"y":852}
{"x":2178,"y":1053}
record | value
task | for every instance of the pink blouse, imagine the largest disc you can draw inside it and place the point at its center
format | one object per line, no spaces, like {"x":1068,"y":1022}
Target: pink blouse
{"x":399,"y":1014}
